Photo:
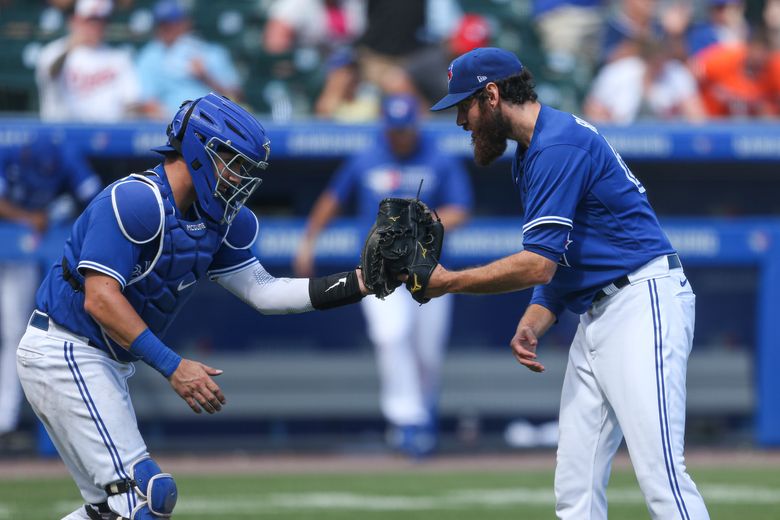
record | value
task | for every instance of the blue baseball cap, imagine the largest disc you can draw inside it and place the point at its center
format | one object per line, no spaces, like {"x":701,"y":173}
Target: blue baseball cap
{"x":399,"y":111}
{"x":167,"y":11}
{"x":470,"y":72}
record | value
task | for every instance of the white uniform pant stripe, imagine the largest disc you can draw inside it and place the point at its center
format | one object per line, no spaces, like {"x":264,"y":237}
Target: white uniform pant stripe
{"x":663,"y":417}
{"x":99,"y":424}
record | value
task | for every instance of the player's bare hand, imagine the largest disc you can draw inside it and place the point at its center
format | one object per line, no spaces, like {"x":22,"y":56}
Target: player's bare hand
{"x":523,"y":346}
{"x":192,"y":381}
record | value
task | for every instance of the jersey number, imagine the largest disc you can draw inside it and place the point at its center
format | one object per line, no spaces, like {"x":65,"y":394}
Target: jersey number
{"x":630,"y":176}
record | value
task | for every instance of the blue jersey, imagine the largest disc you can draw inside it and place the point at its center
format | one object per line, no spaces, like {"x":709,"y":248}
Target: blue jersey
{"x":583,"y":209}
{"x":32,"y":176}
{"x":377,"y":173}
{"x":133,"y":232}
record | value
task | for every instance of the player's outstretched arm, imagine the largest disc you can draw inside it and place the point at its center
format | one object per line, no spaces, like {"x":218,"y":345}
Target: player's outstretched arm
{"x":532,"y":326}
{"x":511,"y":273}
{"x":270,"y":295}
{"x":105,"y":303}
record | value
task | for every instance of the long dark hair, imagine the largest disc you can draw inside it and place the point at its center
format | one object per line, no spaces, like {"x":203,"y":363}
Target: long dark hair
{"x":516,"y":89}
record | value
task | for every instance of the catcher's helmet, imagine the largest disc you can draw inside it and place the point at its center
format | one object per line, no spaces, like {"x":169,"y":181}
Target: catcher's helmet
{"x":219,"y":141}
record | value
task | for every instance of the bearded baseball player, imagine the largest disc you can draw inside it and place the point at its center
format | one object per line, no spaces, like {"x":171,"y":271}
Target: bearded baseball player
{"x":593,"y":245}
{"x":131,"y":262}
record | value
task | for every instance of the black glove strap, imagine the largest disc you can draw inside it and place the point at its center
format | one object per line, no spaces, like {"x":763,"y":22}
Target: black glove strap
{"x":334,"y":290}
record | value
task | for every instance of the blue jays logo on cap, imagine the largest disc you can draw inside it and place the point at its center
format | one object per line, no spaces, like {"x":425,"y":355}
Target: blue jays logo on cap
{"x":470,"y":72}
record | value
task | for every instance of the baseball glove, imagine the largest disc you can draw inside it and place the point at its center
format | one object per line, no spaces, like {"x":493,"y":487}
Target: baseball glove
{"x":406,"y":239}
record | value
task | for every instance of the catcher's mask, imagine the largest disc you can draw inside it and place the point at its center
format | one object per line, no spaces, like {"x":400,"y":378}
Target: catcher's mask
{"x":224,"y":147}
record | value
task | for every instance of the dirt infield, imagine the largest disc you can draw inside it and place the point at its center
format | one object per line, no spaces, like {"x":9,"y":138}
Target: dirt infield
{"x":292,"y":463}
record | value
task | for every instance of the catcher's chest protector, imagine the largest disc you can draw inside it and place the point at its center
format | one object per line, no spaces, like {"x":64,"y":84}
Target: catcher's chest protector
{"x":188,"y":249}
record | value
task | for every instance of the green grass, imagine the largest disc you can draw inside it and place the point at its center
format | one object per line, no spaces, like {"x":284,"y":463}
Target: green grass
{"x":731,"y":494}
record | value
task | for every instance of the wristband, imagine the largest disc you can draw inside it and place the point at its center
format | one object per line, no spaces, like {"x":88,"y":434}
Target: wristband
{"x":155,"y":353}
{"x":334,"y":290}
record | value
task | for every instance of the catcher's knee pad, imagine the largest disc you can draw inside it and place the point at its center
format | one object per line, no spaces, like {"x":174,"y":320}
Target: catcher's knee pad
{"x":156,"y":490}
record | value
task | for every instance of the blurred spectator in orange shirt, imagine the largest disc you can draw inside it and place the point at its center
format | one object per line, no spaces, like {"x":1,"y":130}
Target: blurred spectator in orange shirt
{"x":734,"y":78}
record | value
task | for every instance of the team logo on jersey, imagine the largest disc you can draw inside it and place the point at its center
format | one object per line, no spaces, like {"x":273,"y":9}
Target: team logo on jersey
{"x":563,"y":261}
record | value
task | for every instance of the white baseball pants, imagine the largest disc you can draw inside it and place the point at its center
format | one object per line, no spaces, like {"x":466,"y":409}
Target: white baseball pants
{"x":18,"y":282}
{"x":410,"y":342}
{"x":81,"y":395}
{"x":626,"y":377}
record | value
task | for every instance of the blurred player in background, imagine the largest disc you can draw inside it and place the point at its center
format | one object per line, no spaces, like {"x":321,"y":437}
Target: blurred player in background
{"x":593,"y":245}
{"x":36,"y":182}
{"x":410,"y":339}
{"x":131,"y":262}
{"x":80,"y":78}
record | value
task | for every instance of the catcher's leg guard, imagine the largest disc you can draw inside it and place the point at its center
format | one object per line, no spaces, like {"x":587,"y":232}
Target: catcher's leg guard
{"x":156,"y":490}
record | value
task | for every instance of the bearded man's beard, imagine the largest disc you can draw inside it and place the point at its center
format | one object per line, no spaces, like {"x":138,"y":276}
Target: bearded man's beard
{"x":489,"y":138}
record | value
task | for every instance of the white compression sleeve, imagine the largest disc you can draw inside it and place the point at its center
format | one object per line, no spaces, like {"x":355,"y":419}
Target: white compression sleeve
{"x":269,"y":295}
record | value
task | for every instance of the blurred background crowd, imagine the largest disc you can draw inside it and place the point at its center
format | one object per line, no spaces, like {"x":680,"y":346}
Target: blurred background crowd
{"x":611,"y":60}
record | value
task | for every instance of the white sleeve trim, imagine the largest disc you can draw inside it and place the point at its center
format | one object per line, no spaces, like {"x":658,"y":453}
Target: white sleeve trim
{"x":561,"y":221}
{"x":267,"y":294}
{"x":86,"y":264}
{"x":251,"y":242}
{"x":217,"y":273}
{"x":157,"y":196}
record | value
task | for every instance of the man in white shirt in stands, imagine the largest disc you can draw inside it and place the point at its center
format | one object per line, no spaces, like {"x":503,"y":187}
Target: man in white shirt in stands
{"x":80,"y":78}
